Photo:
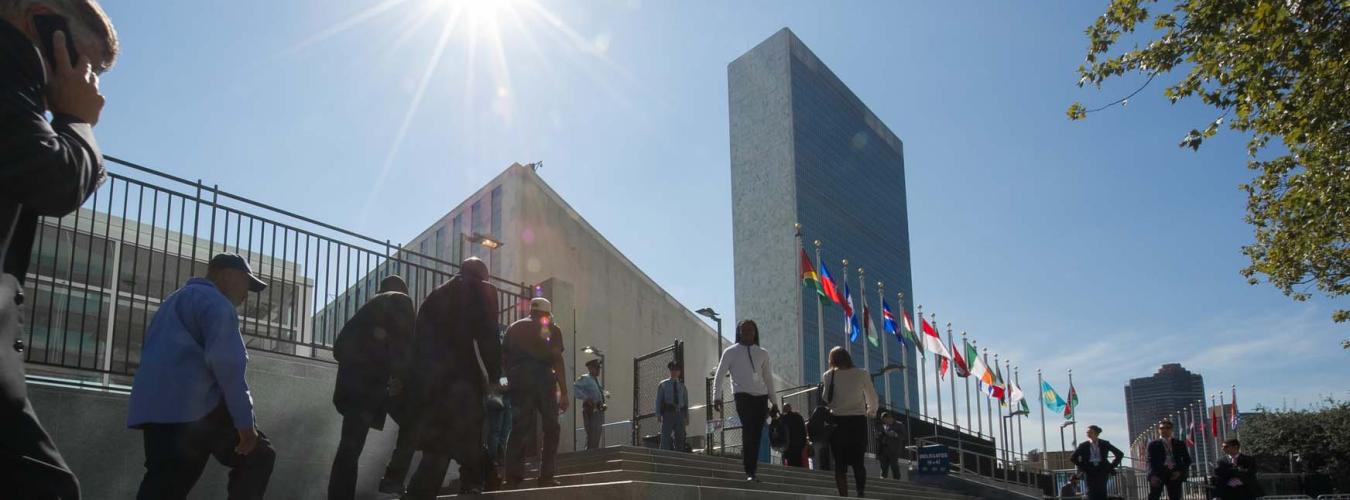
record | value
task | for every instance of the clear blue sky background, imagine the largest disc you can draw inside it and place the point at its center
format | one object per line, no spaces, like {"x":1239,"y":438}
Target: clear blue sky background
{"x":1098,"y":245}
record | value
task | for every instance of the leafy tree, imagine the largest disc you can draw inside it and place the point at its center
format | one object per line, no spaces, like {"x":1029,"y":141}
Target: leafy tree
{"x":1274,"y":69}
{"x":1321,"y":438}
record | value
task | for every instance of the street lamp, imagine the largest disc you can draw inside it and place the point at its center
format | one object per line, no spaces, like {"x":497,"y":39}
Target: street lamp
{"x":893,"y":367}
{"x":480,"y":239}
{"x":711,"y":314}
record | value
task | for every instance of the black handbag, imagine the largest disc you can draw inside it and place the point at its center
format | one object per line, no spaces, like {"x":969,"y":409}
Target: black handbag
{"x":822,"y":423}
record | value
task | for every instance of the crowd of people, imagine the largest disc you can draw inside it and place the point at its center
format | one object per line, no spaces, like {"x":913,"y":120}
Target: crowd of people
{"x":1168,"y":462}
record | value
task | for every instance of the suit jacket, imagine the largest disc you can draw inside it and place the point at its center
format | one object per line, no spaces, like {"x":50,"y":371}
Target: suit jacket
{"x":371,"y":350}
{"x":1082,"y":456}
{"x":46,"y":169}
{"x":1244,"y":470}
{"x":1157,"y":458}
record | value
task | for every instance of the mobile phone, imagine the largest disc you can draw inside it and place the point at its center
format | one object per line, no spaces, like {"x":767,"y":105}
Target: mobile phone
{"x":47,"y":25}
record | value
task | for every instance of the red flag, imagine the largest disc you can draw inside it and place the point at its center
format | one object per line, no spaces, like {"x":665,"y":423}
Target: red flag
{"x":962,"y":369}
{"x":1214,"y":422}
{"x":942,"y":367}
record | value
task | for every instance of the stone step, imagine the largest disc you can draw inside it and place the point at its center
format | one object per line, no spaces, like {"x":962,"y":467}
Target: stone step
{"x":648,"y":465}
{"x":626,"y":490}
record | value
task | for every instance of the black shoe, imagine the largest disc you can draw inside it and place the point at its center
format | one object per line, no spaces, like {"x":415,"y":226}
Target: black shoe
{"x":548,"y":482}
{"x":752,"y":479}
{"x":391,"y":486}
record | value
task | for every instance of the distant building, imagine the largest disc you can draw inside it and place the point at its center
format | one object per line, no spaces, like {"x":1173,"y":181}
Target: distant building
{"x":1150,"y":399}
{"x":805,"y":149}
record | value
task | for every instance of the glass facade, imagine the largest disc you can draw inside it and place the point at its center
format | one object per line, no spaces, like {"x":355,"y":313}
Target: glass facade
{"x":851,"y":197}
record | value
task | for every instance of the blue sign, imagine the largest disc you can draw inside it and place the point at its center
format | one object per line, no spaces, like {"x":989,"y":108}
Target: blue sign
{"x":933,"y":459}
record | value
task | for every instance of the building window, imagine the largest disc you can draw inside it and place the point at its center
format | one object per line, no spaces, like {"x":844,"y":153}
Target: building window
{"x":496,"y":225}
{"x":457,"y":232}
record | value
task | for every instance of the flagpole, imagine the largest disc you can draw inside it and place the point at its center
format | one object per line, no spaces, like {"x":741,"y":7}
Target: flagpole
{"x":1002,"y":423}
{"x":862,"y":293}
{"x":966,"y":379}
{"x":937,"y":375}
{"x":990,"y":406}
{"x":848,"y":322}
{"x":885,"y":353}
{"x":1237,"y":430}
{"x":1021,"y":440}
{"x":1073,"y":393}
{"x":979,"y":410}
{"x":923,"y":363}
{"x":904,"y":379}
{"x":820,"y":322}
{"x":1223,"y":416}
{"x":1045,"y":446}
{"x":951,"y":367}
{"x":1213,"y":429}
{"x":801,"y":321}
{"x":1204,"y":441}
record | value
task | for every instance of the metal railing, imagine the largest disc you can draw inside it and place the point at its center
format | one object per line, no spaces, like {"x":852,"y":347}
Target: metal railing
{"x":98,"y":275}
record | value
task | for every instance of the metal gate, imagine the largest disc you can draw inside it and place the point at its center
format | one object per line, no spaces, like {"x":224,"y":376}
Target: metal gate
{"x":648,"y":371}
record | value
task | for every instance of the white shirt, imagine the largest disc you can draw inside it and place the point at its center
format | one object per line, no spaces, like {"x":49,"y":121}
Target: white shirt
{"x":750,"y":372}
{"x":1096,"y":456}
{"x":853,"y":392}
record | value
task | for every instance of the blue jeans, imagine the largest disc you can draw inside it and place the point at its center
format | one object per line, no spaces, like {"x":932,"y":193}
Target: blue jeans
{"x":672,"y":431}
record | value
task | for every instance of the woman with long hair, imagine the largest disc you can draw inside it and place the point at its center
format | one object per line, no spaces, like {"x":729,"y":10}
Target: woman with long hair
{"x":851,"y":397}
{"x":752,"y":388}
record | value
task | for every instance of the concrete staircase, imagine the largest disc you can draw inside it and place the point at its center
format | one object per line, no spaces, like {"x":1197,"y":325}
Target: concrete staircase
{"x":626,"y":472}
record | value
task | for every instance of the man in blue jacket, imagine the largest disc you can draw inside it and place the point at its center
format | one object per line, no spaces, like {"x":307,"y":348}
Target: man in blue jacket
{"x":190,"y":399}
{"x":672,"y":408}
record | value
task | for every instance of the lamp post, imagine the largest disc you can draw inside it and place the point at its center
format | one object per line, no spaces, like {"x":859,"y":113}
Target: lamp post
{"x":896,"y":367}
{"x":711,"y":314}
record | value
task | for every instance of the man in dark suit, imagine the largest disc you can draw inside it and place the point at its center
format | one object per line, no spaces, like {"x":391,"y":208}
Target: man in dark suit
{"x":372,"y":355}
{"x":1168,"y":460}
{"x":1235,"y":474}
{"x":1093,"y":464}
{"x":47,"y":168}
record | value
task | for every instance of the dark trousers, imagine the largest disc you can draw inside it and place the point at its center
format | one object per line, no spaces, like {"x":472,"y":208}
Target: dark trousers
{"x":824,"y":458}
{"x":1173,"y":487}
{"x":795,"y":455}
{"x":849,"y":444}
{"x":889,"y":465}
{"x":534,"y":406}
{"x":594,"y":422}
{"x":1096,"y":484}
{"x":342,"y":477}
{"x":752,"y":410}
{"x":175,"y":455}
{"x":404,"y":447}
{"x":462,"y":436}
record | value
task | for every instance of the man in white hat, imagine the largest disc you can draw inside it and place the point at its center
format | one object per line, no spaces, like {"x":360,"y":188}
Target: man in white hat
{"x":532,"y":354}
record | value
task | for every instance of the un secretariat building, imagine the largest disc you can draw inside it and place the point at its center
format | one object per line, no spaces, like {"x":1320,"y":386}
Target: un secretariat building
{"x":804,"y":149}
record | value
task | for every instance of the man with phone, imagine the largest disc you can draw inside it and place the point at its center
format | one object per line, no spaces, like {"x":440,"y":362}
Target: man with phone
{"x":51,"y":52}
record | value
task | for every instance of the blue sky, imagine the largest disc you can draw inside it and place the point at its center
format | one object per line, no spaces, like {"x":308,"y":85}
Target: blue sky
{"x":1098,"y":245}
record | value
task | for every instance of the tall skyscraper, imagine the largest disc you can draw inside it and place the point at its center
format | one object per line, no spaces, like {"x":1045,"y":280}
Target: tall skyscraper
{"x":805,"y":149}
{"x":1150,"y":399}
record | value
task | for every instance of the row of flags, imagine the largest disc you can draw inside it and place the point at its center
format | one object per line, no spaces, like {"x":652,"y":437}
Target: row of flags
{"x":925,"y":340}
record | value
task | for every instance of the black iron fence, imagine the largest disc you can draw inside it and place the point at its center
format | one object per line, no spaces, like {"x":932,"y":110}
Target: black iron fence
{"x":648,"y":371}
{"x":723,"y":429}
{"x":98,"y":275}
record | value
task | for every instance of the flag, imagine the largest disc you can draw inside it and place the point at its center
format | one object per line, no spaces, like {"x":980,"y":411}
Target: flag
{"x":1052,"y":399}
{"x":962,"y":368}
{"x":867,"y":324}
{"x":978,"y":368}
{"x":1025,"y":410}
{"x":932,"y":342}
{"x":1000,"y":392}
{"x":850,"y":320}
{"x":1187,"y":434}
{"x":1071,"y":403}
{"x":827,"y":284}
{"x":1233,"y":419}
{"x":809,"y":278}
{"x":909,"y":330}
{"x":888,"y":322}
{"x":1017,"y":400}
{"x":1213,"y":420}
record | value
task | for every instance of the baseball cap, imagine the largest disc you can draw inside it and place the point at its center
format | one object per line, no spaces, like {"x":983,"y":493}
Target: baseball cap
{"x":541,"y":304}
{"x":234,"y":261}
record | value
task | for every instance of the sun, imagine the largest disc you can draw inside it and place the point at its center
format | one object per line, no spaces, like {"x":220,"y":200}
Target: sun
{"x":482,"y":12}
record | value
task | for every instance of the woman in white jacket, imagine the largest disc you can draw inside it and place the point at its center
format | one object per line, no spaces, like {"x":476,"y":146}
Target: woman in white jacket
{"x":851,"y":397}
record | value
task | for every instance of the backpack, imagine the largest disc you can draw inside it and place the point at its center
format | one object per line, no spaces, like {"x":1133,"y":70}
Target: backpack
{"x":821,"y":424}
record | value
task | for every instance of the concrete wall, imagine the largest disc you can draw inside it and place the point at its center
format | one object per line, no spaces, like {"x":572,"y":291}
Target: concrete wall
{"x":293,"y":402}
{"x":618,"y":308}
